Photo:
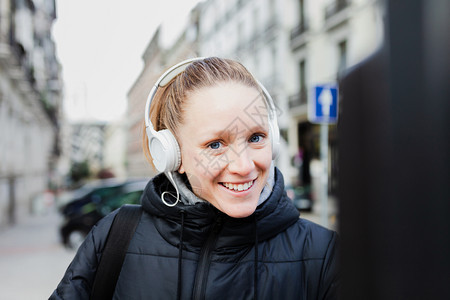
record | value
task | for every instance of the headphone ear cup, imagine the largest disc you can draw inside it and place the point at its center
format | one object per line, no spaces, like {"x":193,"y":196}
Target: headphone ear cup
{"x":165,"y":151}
{"x":174,"y":149}
{"x":274,"y":133}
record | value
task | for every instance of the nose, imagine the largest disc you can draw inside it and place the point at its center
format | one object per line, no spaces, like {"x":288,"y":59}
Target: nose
{"x":241,"y":162}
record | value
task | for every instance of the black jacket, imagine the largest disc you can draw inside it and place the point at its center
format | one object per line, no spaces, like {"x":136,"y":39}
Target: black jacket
{"x":295,"y":258}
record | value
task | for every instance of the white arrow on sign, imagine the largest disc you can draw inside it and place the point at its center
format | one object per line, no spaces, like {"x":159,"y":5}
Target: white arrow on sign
{"x":326,"y":99}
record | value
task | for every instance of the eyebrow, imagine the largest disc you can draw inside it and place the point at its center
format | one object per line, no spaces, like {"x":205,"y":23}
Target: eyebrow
{"x":233,"y":131}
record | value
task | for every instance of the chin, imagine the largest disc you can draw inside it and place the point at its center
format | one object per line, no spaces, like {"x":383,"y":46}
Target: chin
{"x":238,"y":211}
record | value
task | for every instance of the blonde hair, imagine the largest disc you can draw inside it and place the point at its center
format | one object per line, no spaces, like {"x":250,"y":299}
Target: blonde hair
{"x":167,"y":107}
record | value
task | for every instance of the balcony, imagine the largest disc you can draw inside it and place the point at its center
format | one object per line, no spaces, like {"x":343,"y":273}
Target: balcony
{"x":336,"y":7}
{"x":270,"y":30}
{"x":301,"y":98}
{"x":298,"y":35}
{"x":299,"y":30}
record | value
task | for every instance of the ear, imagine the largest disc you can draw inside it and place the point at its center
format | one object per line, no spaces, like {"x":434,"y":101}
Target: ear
{"x":181,"y":168}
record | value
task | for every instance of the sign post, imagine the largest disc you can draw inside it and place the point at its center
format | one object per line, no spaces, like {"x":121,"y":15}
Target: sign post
{"x":324,"y":111}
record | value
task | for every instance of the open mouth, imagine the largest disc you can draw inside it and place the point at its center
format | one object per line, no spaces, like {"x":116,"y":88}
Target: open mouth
{"x":238,"y":187}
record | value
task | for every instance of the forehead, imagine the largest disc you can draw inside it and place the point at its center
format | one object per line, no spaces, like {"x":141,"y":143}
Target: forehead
{"x":226,"y":103}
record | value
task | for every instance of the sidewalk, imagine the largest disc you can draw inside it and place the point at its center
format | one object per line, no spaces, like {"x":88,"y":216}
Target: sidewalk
{"x":316,"y":214}
{"x":32,"y":260}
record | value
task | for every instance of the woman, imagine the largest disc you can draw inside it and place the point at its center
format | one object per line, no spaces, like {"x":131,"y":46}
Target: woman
{"x":217,"y":223}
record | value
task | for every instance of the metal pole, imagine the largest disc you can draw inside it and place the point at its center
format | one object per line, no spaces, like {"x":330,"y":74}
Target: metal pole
{"x":324,"y":175}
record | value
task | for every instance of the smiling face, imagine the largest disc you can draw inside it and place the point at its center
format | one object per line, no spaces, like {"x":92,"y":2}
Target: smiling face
{"x":225,"y":146}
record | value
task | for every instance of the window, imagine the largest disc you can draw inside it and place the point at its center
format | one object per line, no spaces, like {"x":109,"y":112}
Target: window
{"x":302,"y":75}
{"x":274,"y":62}
{"x":342,"y":48}
{"x":301,"y":4}
{"x":256,"y":19}
{"x":240,"y":29}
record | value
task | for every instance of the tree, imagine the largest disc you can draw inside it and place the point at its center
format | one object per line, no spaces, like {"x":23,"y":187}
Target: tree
{"x":79,"y":171}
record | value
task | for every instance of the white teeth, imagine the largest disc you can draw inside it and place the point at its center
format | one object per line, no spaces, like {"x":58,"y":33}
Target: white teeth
{"x":238,"y":187}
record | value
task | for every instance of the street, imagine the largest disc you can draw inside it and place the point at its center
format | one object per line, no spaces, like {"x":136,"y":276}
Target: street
{"x":32,"y":260}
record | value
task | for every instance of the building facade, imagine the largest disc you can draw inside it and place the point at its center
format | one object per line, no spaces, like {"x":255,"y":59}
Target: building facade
{"x":254,"y":33}
{"x":30,"y":105}
{"x":87,"y":140}
{"x":157,"y":59}
{"x":290,"y":46}
{"x":114,"y":148}
{"x":328,"y":37}
{"x":136,"y":163}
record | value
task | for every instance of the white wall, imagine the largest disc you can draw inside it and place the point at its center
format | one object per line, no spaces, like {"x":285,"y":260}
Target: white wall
{"x":115,"y":148}
{"x":25,"y":146}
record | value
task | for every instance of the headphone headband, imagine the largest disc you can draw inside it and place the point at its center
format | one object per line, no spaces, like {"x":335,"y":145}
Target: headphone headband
{"x":163,"y":146}
{"x":163,"y":80}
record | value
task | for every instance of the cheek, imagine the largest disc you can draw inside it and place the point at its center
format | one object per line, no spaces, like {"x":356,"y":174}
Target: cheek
{"x":263,"y":158}
{"x":207,"y":164}
{"x":200,"y":170}
{"x":196,"y":184}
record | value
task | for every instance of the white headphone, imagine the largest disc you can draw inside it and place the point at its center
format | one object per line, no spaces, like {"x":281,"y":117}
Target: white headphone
{"x":162,"y":144}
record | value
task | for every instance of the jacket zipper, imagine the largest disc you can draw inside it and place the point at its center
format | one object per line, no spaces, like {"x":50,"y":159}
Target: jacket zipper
{"x":201,"y":275}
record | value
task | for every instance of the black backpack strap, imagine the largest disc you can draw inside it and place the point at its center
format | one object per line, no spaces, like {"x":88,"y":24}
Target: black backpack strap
{"x":119,"y":237}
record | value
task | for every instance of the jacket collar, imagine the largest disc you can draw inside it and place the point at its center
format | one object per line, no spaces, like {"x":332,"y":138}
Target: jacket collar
{"x":271,"y":217}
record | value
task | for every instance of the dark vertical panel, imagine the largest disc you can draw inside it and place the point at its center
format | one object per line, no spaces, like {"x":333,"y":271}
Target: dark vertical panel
{"x":364,"y":156}
{"x":401,"y":228}
{"x":394,"y":160}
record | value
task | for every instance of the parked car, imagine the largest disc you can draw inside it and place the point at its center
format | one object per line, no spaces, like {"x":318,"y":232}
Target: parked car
{"x":300,"y":196}
{"x":94,"y":201}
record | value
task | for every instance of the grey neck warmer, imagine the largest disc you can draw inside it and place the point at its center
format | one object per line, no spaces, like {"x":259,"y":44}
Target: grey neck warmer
{"x":189,"y":198}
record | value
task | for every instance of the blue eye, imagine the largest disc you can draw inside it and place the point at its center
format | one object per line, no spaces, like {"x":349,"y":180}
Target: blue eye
{"x":214,"y":145}
{"x":255,"y":138}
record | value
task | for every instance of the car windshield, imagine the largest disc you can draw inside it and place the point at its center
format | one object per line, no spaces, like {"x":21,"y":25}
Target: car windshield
{"x":85,"y":189}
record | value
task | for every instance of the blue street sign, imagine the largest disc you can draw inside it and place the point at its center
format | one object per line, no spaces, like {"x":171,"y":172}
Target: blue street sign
{"x":324,"y":108}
